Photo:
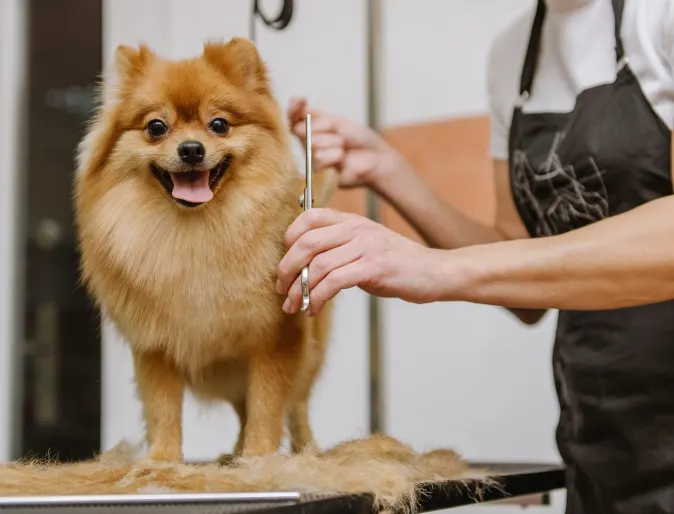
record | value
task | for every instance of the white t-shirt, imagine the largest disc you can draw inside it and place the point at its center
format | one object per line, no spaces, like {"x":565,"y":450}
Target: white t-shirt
{"x":577,"y":52}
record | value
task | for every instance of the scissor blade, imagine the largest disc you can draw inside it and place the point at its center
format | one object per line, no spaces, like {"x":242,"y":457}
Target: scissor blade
{"x":307,"y":204}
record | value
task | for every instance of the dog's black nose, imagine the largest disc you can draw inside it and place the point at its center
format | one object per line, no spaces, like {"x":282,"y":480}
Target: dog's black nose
{"x":191,"y":152}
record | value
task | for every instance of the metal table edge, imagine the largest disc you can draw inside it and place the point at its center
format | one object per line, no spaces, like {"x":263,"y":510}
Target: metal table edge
{"x":538,"y":479}
{"x":519,"y":480}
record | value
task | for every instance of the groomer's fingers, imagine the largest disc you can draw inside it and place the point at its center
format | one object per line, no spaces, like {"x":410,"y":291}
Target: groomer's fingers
{"x":320,"y":266}
{"x":346,"y":277}
{"x":323,"y":140}
{"x":312,"y":219}
{"x":297,"y":109}
{"x":329,"y":157}
{"x":305,"y":249}
{"x":319,"y":124}
{"x":299,"y":106}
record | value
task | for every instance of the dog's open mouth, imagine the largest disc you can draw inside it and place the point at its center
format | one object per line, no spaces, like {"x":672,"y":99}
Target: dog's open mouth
{"x":191,"y":188}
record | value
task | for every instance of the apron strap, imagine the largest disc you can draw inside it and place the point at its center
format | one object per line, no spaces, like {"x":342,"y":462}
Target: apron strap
{"x":618,"y":8}
{"x":531,"y":59}
{"x":533,"y":49}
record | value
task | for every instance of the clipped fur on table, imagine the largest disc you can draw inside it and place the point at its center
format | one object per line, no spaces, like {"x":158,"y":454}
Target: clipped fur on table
{"x":378,"y":465}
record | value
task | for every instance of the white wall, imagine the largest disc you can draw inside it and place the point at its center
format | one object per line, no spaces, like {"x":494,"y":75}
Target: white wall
{"x":12,"y":101}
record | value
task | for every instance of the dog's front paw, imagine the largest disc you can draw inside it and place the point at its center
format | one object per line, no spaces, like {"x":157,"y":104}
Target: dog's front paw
{"x":227,"y":460}
{"x":165,"y":454}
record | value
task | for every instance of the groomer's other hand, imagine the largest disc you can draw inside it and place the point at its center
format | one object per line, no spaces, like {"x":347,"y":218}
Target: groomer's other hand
{"x":346,"y":250}
{"x":359,"y":153}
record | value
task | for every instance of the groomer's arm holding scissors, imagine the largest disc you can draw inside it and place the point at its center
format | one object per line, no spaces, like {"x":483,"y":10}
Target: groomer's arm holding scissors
{"x":621,"y":261}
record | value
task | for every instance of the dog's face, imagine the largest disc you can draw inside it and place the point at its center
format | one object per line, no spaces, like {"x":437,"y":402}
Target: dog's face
{"x":189,"y":153}
{"x":186,"y":128}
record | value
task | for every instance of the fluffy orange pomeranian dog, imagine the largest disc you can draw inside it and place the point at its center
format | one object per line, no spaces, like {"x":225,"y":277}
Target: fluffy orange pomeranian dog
{"x":185,"y":187}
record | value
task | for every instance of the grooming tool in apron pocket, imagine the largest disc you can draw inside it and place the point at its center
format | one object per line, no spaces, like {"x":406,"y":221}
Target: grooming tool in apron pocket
{"x":306,"y":202}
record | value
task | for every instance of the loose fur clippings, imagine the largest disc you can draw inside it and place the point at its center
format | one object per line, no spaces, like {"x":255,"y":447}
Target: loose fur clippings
{"x":184,"y":190}
{"x":381,"y":466}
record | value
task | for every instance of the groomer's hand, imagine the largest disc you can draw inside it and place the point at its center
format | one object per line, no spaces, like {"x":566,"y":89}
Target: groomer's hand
{"x":347,"y":250}
{"x":361,"y":156}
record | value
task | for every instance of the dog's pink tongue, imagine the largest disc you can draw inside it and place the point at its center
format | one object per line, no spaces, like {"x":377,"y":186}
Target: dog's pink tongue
{"x":192,"y":187}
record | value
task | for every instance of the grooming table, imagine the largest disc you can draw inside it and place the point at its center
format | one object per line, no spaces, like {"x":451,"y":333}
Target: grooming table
{"x":517,"y":483}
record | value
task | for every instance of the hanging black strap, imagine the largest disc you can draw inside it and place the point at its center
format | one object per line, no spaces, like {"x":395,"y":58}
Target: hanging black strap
{"x":531,"y":59}
{"x":533,"y":50}
{"x":282,"y":19}
{"x":618,"y":8}
{"x":280,"y":22}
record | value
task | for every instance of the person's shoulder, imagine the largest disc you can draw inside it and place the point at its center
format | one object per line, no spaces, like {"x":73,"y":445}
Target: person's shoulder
{"x":651,"y":19}
{"x":653,"y":12}
{"x":509,"y":47}
{"x":504,"y":67}
{"x":648,"y":31}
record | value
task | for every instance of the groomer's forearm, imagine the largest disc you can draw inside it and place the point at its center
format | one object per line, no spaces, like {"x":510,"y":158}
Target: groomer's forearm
{"x":439,"y":224}
{"x":623,"y":261}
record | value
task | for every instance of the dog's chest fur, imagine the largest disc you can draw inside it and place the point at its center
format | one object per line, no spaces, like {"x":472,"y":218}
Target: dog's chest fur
{"x":199,"y":292}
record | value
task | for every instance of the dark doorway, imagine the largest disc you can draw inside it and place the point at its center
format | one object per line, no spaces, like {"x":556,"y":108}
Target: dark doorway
{"x":62,"y":353}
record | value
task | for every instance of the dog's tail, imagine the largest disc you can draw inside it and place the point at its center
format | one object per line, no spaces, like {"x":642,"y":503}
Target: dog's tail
{"x":325,"y":183}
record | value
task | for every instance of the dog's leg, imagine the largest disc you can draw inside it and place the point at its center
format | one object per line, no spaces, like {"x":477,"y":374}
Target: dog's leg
{"x":270,"y":377}
{"x":160,"y":388}
{"x":301,"y":436}
{"x":316,"y":333}
{"x":227,"y":459}
{"x":240,"y":408}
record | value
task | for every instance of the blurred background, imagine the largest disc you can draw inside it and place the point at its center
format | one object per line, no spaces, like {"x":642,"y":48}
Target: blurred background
{"x":454,"y":375}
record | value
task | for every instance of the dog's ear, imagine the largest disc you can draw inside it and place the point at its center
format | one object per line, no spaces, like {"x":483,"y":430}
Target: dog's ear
{"x":132,"y":62}
{"x":240,"y":62}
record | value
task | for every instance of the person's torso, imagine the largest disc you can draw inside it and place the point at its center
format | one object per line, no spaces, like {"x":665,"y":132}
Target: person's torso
{"x":589,"y":141}
{"x":577,"y":53}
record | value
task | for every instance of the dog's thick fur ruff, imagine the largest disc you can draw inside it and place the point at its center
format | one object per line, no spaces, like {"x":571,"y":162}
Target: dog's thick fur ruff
{"x":192,"y":290}
{"x":379,"y":465}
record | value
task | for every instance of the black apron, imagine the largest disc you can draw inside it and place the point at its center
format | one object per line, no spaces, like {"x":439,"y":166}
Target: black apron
{"x":614,"y":369}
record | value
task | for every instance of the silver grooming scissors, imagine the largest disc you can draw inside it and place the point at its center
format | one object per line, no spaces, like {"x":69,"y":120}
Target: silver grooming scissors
{"x":306,"y":202}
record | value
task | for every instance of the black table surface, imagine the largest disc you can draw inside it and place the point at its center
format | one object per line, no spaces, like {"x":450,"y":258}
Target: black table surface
{"x":511,"y":481}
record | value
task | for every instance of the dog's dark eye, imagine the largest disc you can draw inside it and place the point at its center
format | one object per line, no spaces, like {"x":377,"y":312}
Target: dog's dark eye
{"x":156,"y":128}
{"x":219,"y":125}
